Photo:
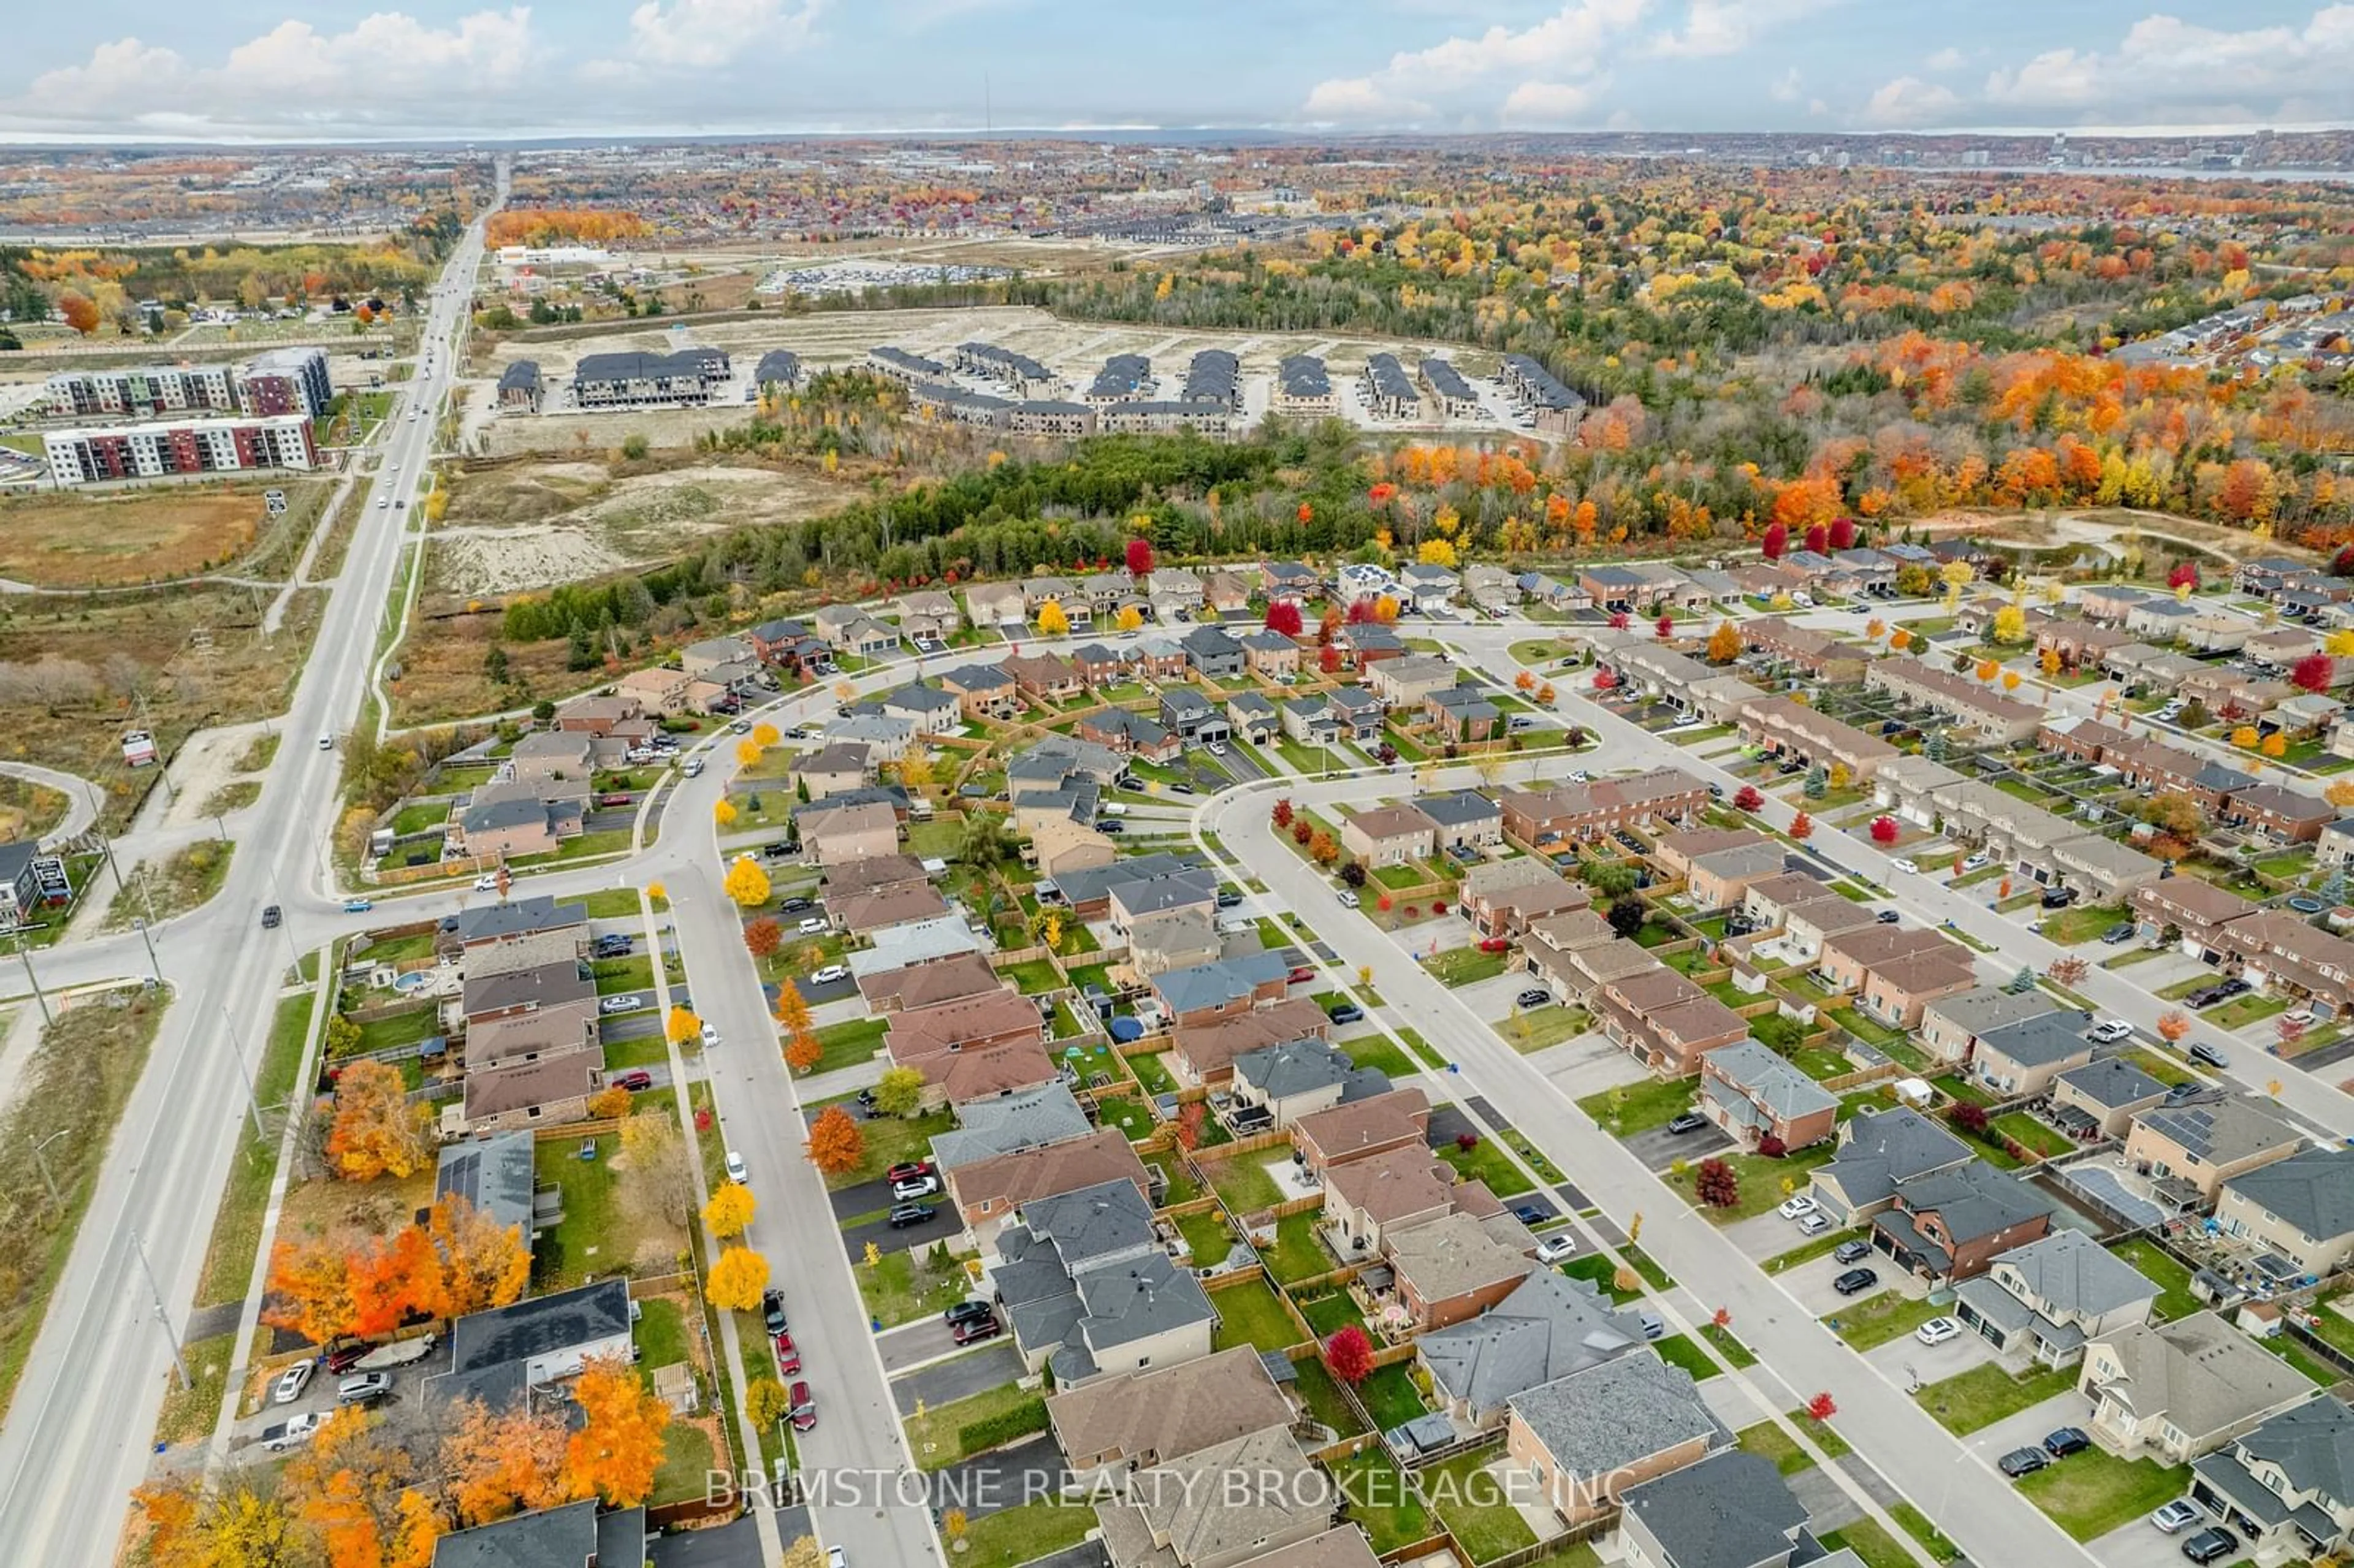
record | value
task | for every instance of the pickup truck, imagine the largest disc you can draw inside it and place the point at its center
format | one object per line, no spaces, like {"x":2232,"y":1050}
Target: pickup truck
{"x":293,"y":1431}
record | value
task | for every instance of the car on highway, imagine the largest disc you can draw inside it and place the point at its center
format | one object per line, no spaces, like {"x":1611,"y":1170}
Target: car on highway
{"x":2180,"y":1514}
{"x":627,"y":1001}
{"x":1855,"y":1280}
{"x":801,"y":1408}
{"x":1797,"y":1207}
{"x":1937,"y":1330}
{"x":1346,"y":1012}
{"x":271,"y":915}
{"x":737,"y":1172}
{"x":1556,"y":1246}
{"x":2211,"y":1545}
{"x":2065,"y":1441}
{"x":2109,"y":1031}
{"x":291,"y":1382}
{"x":1851,"y":1251}
{"x":364,"y":1388}
{"x":772,"y":1310}
{"x":973,"y":1331}
{"x":907,"y":1215}
{"x":1689,"y":1121}
{"x":637,"y":1080}
{"x":2022,"y":1462}
{"x":358,"y":906}
{"x":1535,"y":996}
{"x":831,"y":973}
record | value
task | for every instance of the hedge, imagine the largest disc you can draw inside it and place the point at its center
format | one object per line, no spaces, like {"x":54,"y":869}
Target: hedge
{"x":995,"y":1430}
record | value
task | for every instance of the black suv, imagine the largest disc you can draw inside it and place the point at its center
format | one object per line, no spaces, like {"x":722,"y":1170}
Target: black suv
{"x":270,"y":915}
{"x":772,"y":1310}
{"x":2208,"y":1546}
{"x":966,"y":1312}
{"x":1854,"y":1280}
{"x":906,"y":1214}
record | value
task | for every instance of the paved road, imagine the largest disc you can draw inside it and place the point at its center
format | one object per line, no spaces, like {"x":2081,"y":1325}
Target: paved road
{"x":84,"y":799}
{"x":76,"y":1441}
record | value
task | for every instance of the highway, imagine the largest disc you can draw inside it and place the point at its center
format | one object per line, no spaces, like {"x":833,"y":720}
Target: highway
{"x":76,"y":1440}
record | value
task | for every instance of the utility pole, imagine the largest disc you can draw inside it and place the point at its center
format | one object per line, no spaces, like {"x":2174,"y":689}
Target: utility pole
{"x":38,"y":995}
{"x":163,"y":1318}
{"x":57,"y":1199}
{"x":153,"y":964}
{"x":252,"y":1090}
{"x":163,"y":763}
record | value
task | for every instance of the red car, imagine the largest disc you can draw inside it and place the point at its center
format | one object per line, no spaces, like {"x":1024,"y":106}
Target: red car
{"x":789,"y":1360}
{"x":908,"y":1171}
{"x":1496,"y":945}
{"x":636,"y":1080}
{"x":974,"y":1330}
{"x":801,"y":1408}
{"x":614,"y":797}
{"x":1301,"y":974}
{"x":343,"y":1358}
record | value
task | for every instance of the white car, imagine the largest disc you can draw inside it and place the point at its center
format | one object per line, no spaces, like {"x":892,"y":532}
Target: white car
{"x":291,"y":1382}
{"x":1217,"y":748}
{"x":2109,"y":1031}
{"x":831,"y":973}
{"x":623,"y":1003}
{"x":811,"y":925}
{"x":710,"y":1036}
{"x":1795,"y":1208}
{"x":1555,"y":1247}
{"x":487,"y":883}
{"x":1978,"y":861}
{"x":1348,"y":899}
{"x":736,"y":1172}
{"x":2302,"y":1015}
{"x":1937,"y":1330}
{"x":1814,"y":1224}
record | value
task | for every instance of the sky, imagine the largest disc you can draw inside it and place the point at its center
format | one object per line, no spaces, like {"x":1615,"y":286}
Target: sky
{"x":255,"y":70}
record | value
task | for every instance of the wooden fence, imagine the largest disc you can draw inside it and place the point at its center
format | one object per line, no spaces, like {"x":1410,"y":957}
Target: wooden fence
{"x":1218,"y":1153}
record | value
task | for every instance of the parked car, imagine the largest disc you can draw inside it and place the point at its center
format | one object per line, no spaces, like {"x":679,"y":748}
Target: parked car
{"x":637,"y":1080}
{"x":2022,"y":1462}
{"x":973,"y":1331}
{"x":1495,"y":944}
{"x":908,"y":1170}
{"x":811,"y":925}
{"x":1113,"y":828}
{"x":1689,"y":1121}
{"x":789,"y":1356}
{"x":2177,"y":1515}
{"x":1301,"y":974}
{"x":801,"y":1408}
{"x":2210,"y":1544}
{"x":365,"y":1388}
{"x":1851,"y":1251}
{"x":626,"y":1001}
{"x":486,"y":883}
{"x":904,"y":1215}
{"x":710,"y":1037}
{"x":1531,"y":1213}
{"x":2302,"y":1015}
{"x":2109,"y":1031}
{"x":343,"y":1358}
{"x":1814,"y":1224}
{"x":736,"y":1170}
{"x":1796,"y":1207}
{"x":1555,"y":1247}
{"x":1937,"y":1330}
{"x":772,"y":1310}
{"x":922,"y":1186}
{"x":966,"y":1312}
{"x":1535,"y":996}
{"x":1854,"y":1280}
{"x":1978,"y":861}
{"x":2067,"y":1440}
{"x":1890,"y":917}
{"x":358,"y":906}
{"x":612,"y":798}
{"x":291,"y":1382}
{"x":1348,"y":899}
{"x":1346,"y":1012}
{"x":2119,"y":934}
{"x":609,"y":947}
{"x":2059,"y":897}
{"x":795,"y":904}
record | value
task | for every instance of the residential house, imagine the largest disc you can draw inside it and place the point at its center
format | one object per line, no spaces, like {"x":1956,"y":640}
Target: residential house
{"x":972,"y":1048}
{"x":2019,"y":1060}
{"x":2280,"y":813}
{"x":1369,"y":1199}
{"x":571,"y":1535}
{"x":510,"y":826}
{"x":1460,"y":715}
{"x":1158,"y":657}
{"x":930,"y":710}
{"x":1001,"y":605}
{"x":1829,"y":660}
{"x":850,"y":631}
{"x":1730,"y":1508}
{"x":1060,"y":847}
{"x":925,"y":942}
{"x":1665,"y":1019}
{"x":599,"y":715}
{"x":2272,"y":947}
{"x":1088,"y":1291}
{"x":988,"y":1128}
{"x":1785,"y":729}
{"x":2107,"y":869}
{"x":2288,"y":1484}
{"x":1405,"y":682}
{"x":2301,"y":1208}
{"x":1719,"y":878}
{"x":866,"y":915}
{"x":833,"y":835}
{"x":2108,"y":604}
{"x":1269,"y":656}
{"x":2107,"y":1094}
{"x":1131,"y":734}
{"x":1300,"y":1077}
{"x":1949,"y":1225}
{"x":1896,"y":971}
{"x":1464,"y":820}
{"x":1227,"y":593}
{"x":1877,"y":1151}
{"x":1186,"y":1512}
{"x":1190,"y":714}
{"x":553,"y":756}
{"x":543,"y":1339}
{"x":1589,"y":1438}
{"x":887,"y":739}
{"x":832,"y":769}
{"x":1251,"y":717}
{"x":560,"y":987}
{"x":791,"y":645}
{"x":1388,"y":835}
{"x":1116,"y":1426}
{"x":1755,"y":1094}
{"x":1455,"y":1267}
{"x":1135,"y":899}
{"x":1173,"y":589}
{"x":1205,"y":1053}
{"x":1214,"y":654}
{"x":1291,"y":580}
{"x":1491,"y":588}
{"x":2176,"y":1392}
{"x":2188,"y":911}
{"x":1045,"y":677}
{"x":1908,"y":786}
{"x":1206,"y":992}
{"x":1503,"y":897}
{"x":2193,"y":1147}
{"x":1537,"y":818}
{"x":929,"y":613}
{"x":1427,"y":587}
{"x":988,"y":1193}
{"x":1173,"y":940}
{"x":1986,"y":715}
{"x":2045,"y":1300}
{"x":1549,"y":1328}
{"x":1808,"y":923}
{"x":1357,"y":1129}
{"x":1097,"y":666}
{"x":983,"y":691}
{"x":1369,"y":643}
{"x":713,"y":653}
{"x":1612,"y":588}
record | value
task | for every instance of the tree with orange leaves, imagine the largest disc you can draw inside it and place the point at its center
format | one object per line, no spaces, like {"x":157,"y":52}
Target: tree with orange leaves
{"x":353,"y":1489}
{"x":484,"y":1263}
{"x":78,"y":311}
{"x":836,"y":1144}
{"x":803,"y":1051}
{"x":311,"y":1287}
{"x":375,"y":1132}
{"x":504,"y":1463}
{"x":2172,"y":1025}
{"x":1802,"y":827}
{"x":389,"y":1279}
{"x":617,"y":1449}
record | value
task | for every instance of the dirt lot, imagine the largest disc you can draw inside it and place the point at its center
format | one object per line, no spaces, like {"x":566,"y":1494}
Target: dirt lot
{"x":65,"y":539}
{"x":521,"y":525}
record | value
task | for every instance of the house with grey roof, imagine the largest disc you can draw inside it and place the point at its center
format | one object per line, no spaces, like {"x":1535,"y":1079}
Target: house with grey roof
{"x":1214,"y":654}
{"x":928,"y":708}
{"x":1947,"y":1227}
{"x":1756,"y":1094}
{"x":1593,"y":1435}
{"x":2020,"y":1060}
{"x":1950,"y":1025}
{"x":1465,"y":818}
{"x":1300,"y":1077}
{"x":573,"y":1535}
{"x":886,"y":738}
{"x":1087,"y":1289}
{"x":494,"y":1176}
{"x":2301,"y":1208}
{"x":1733,"y":1509}
{"x":1878,"y":1150}
{"x":2100,"y":1098}
{"x":2044,"y":1300}
{"x":541,"y":1339}
{"x":1206,"y":992}
{"x":2193,"y":1146}
{"x":1187,"y":1511}
{"x":1253,"y":718}
{"x":1029,"y":1118}
{"x":2177,"y":1391}
{"x":1549,"y":1327}
{"x":2287,"y":1485}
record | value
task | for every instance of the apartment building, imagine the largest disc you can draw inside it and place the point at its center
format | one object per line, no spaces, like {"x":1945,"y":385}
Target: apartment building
{"x":95,"y":454}
{"x":1821,"y":655}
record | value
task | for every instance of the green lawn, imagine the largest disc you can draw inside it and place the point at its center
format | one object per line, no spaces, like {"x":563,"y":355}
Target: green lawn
{"x":2091,"y":1493}
{"x":1640,"y":1107}
{"x":889,"y":1140}
{"x":899,"y":1288}
{"x":2242,"y":1010}
{"x":1297,"y":1253}
{"x":1323,"y":1398}
{"x":1984,"y":1394}
{"x":1391,"y":1398}
{"x":1677,"y":1350}
{"x":1380,"y":1500}
{"x":1181,"y":1187}
{"x":1876,"y":1320}
{"x":1380,"y":1051}
{"x":847,"y":1044}
{"x":1398,"y":878}
{"x":1253,"y":1314}
{"x":1153,"y":1071}
{"x":601,"y":1233}
{"x":1807,"y":1252}
{"x":1243,"y":1183}
{"x":1833,"y":1446}
{"x":2031,"y":1134}
{"x":1488,"y":1161}
{"x":685,"y":1469}
{"x":1768,"y":1441}
{"x":611,"y":903}
{"x":1033,"y":977}
{"x":1473,"y":1505}
{"x":1328,"y":1313}
{"x":1207,"y":1238}
{"x":1603,"y":1272}
{"x":1763,"y":1182}
{"x":1728,"y":1345}
{"x":1544,"y":1026}
{"x":933,"y":1434}
{"x":1129,"y":1114}
{"x":400,"y":1029}
{"x":1016,"y":1535}
{"x":2082,"y":922}
{"x":1463,"y":966}
{"x":1917,"y":1525}
{"x":1868,"y":1540}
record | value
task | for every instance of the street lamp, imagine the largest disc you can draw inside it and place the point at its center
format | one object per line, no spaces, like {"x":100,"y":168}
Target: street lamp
{"x":56,"y":1200}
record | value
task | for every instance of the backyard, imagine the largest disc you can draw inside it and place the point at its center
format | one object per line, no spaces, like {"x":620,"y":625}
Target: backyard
{"x":1474,"y":1507}
{"x":1253,"y":1314}
{"x":1380,"y":1500}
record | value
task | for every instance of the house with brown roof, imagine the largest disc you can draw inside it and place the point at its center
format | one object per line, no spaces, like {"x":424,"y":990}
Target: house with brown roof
{"x":2280,"y":813}
{"x":985,"y":1043}
{"x":2080,"y":644}
{"x":1550,"y":944}
{"x":563,"y":986}
{"x":1503,"y":897}
{"x":1204,"y":1054}
{"x":1896,"y":989}
{"x":1821,"y":655}
{"x":869,"y":913}
{"x":1788,"y":729}
{"x":2272,"y":947}
{"x":1665,"y":1019}
{"x":1968,"y":704}
{"x":656,"y":692}
{"x":1405,"y":682}
{"x":1388,"y":835}
{"x":1044,"y":677}
{"x":1850,"y":960}
{"x":988,"y":1193}
{"x":1359,"y":1128}
{"x":832,"y":769}
{"x":2195,"y":1146}
{"x":1808,"y":924}
{"x":1059,"y":846}
{"x":2187,"y":910}
{"x":833,"y":835}
{"x":1368,"y":1202}
{"x":528,"y":1037}
{"x":549,"y":1092}
{"x":598,"y":716}
{"x":929,"y":984}
{"x":1536,"y":819}
{"x":1111,"y":1427}
{"x":1454,"y":1267}
{"x":1719,"y":878}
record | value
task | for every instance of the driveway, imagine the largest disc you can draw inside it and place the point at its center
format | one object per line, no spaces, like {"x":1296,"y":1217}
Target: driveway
{"x":832,"y":991}
{"x":1905,"y":1360}
{"x":866,"y":1198}
{"x":1007,"y":1478}
{"x":1588,"y":1065}
{"x":910,"y":1344}
{"x":1812,"y":1284}
{"x":1658,"y":1149}
{"x":944,"y":1225}
{"x":731,"y":1545}
{"x":958,"y":1377}
{"x":1760,"y":1236}
{"x":2027,"y":1429}
{"x":1492,"y":998}
{"x":2141,"y":1545}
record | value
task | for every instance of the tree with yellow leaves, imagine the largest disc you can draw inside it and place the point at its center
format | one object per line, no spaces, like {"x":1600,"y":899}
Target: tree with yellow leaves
{"x":501,"y":1464}
{"x":916,"y":768}
{"x":2245,"y":737}
{"x":483,"y":1263}
{"x":2049,"y":661}
{"x":748,"y":752}
{"x":1724,"y":643}
{"x":1051,"y":620}
{"x":1436,"y":552}
{"x":2341,"y":794}
{"x":619,"y":1447}
{"x":1839,"y":776}
{"x":1875,"y":629}
{"x":2009,"y":626}
{"x":747,"y":884}
{"x":738,"y":1279}
{"x":2276,"y":744}
{"x":352,"y":1487}
{"x":681,"y":1026}
{"x":1128,"y":619}
{"x":729,"y":1211}
{"x":375,"y":1130}
{"x":723,"y":811}
{"x":2010,"y":679}
{"x":2339,"y":645}
{"x":766,"y":734}
{"x":658,"y":893}
{"x":189,"y":1526}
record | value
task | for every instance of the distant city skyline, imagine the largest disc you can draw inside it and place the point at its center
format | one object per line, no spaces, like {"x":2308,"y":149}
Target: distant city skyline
{"x":108,"y":70}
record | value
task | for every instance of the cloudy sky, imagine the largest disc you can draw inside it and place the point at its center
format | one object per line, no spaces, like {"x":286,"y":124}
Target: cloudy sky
{"x":249,"y":69}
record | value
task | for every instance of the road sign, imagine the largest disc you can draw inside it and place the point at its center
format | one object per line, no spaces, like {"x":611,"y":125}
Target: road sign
{"x":275,"y":500}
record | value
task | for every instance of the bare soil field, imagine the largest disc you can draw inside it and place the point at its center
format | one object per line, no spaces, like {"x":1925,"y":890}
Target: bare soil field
{"x":68,"y":539}
{"x":519,"y":525}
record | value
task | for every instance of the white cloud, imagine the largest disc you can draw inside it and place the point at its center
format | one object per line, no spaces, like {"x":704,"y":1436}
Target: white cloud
{"x":1729,"y":26}
{"x":1477,"y":77}
{"x":1946,"y":58}
{"x":1787,"y":87}
{"x":1908,"y":100}
{"x":2172,"y":72}
{"x":703,"y":34}
{"x":1549,"y":105}
{"x":388,"y":71}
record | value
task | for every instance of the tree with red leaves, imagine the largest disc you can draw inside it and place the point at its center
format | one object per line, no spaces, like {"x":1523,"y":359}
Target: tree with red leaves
{"x":2312,"y":673}
{"x":1327,"y":660}
{"x":1747,"y":798}
{"x":1967,"y":1117}
{"x":2341,"y":565}
{"x":1802,"y":827}
{"x":1283,"y":618}
{"x":1819,"y":538}
{"x":1620,"y":621}
{"x":1665,"y":626}
{"x":1717,"y":1185}
{"x":1822,"y":1407}
{"x":1843,"y":534}
{"x":1349,"y":1354}
{"x":2184,"y":575}
{"x":1606,"y":680}
{"x":1885,"y":829}
{"x":1777,"y":543}
{"x":1303,"y":830}
{"x":1282,"y":812}
{"x":1139,"y":557}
